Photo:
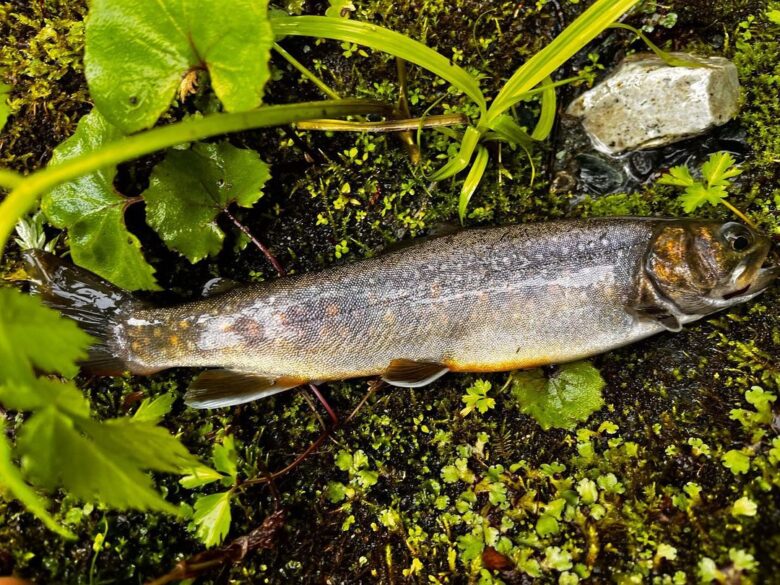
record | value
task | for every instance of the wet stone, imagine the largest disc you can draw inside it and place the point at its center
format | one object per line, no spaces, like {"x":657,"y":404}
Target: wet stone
{"x":646,"y":103}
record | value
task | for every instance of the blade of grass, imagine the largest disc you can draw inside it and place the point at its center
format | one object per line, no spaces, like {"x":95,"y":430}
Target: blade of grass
{"x":303,"y":70}
{"x":463,"y":158}
{"x":472,"y":181}
{"x":388,"y":126}
{"x":9,"y":179}
{"x":511,"y":131}
{"x":381,"y":39}
{"x":665,"y":56}
{"x":547,"y":116}
{"x":578,"y":34}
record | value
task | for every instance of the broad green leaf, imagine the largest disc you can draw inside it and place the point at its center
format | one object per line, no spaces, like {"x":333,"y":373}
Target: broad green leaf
{"x":190,"y":188}
{"x":5,"y":109}
{"x":225,"y":456}
{"x":698,"y":194}
{"x":736,"y":461}
{"x":679,"y":176}
{"x":94,"y":213}
{"x":212,"y":517}
{"x":153,"y":410}
{"x":200,"y":476}
{"x":719,"y":168}
{"x":96,"y":462}
{"x":570,"y":396}
{"x":11,"y":480}
{"x":140,"y":52}
{"x":33,"y":336}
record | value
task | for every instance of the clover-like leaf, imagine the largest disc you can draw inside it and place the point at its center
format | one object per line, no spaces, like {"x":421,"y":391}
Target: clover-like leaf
{"x":94,"y":213}
{"x":190,"y":188}
{"x":568,"y":397}
{"x":140,"y":52}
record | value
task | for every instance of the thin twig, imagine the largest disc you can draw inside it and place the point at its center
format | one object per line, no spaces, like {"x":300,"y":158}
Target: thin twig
{"x":258,"y":244}
{"x":333,"y":417}
{"x":373,"y":386}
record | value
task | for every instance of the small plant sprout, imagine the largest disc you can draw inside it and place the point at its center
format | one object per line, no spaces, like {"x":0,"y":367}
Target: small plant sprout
{"x":716,"y":173}
{"x":476,"y":398}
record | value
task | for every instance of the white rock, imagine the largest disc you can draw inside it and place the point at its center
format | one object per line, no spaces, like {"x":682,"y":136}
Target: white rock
{"x":646,"y":103}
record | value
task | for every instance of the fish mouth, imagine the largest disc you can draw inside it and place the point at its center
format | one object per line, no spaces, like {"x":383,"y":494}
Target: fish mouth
{"x":765,"y":276}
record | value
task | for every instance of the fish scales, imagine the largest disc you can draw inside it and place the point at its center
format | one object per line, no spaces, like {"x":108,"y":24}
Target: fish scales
{"x":479,"y":300}
{"x":482,"y":300}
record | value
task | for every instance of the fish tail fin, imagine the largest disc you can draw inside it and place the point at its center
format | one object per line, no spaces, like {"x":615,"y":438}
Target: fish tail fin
{"x":93,"y":303}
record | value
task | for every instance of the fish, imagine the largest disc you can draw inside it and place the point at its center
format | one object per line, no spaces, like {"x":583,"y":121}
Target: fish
{"x":479,"y":300}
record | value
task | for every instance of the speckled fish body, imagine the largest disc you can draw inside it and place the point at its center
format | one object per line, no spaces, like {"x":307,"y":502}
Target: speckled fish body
{"x":479,"y":300}
{"x":476,"y":301}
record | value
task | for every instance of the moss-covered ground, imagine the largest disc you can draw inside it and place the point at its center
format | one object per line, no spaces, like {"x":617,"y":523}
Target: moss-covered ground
{"x":675,"y":480}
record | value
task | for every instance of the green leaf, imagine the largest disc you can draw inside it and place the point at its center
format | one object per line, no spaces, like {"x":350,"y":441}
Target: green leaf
{"x":212,"y":517}
{"x":336,"y":492}
{"x":190,"y":188}
{"x":476,"y":398}
{"x":44,"y":392}
{"x":225,"y":457}
{"x":340,"y":8}
{"x":679,"y":176}
{"x":736,"y":461}
{"x":472,"y":181}
{"x":94,"y":213}
{"x":344,"y":460}
{"x":568,"y":397}
{"x":471,"y":547}
{"x":773,"y":16}
{"x":139,"y":52}
{"x":719,"y":168}
{"x":546,"y":525}
{"x":5,"y":108}
{"x":11,"y":480}
{"x":100,"y":461}
{"x":153,"y":410}
{"x":34,"y":336}
{"x":698,"y":194}
{"x":200,"y":476}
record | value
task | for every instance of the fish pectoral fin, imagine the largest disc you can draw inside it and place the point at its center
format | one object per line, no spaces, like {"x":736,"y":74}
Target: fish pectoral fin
{"x":219,"y":388}
{"x":413,"y":374}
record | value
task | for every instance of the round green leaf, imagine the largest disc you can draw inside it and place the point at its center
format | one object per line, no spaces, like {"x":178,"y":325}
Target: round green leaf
{"x":190,"y":188}
{"x":568,"y":397}
{"x":94,"y":213}
{"x":138,"y":53}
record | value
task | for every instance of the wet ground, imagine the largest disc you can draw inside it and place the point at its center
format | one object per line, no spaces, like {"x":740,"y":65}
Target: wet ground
{"x":639,"y":493}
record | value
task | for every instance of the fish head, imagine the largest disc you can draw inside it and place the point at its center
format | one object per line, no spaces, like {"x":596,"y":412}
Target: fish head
{"x":704,"y":266}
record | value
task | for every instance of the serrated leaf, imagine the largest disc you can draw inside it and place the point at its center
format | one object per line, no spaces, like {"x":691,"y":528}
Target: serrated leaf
{"x":5,"y":108}
{"x":697,"y":195}
{"x":153,"y":410}
{"x":568,"y":397}
{"x":719,"y":168}
{"x":212,"y":517}
{"x":139,"y":52}
{"x":225,"y":457}
{"x":679,"y":176}
{"x":200,"y":476}
{"x":190,"y":188}
{"x":34,"y":336}
{"x":44,"y":392}
{"x":100,"y":461}
{"x":11,"y":479}
{"x":94,"y":213}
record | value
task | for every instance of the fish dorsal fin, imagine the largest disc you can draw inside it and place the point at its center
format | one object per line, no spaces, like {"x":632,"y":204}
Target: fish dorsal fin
{"x":412,"y":374}
{"x":219,"y":388}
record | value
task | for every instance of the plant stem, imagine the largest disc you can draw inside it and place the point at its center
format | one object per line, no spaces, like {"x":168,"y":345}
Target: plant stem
{"x":260,"y":246}
{"x":10,"y":179}
{"x":388,"y":126}
{"x":739,"y":214}
{"x":27,"y":191}
{"x":306,"y":72}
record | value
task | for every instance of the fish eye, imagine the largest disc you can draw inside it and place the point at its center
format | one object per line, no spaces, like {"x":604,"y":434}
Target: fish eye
{"x":737,"y":236}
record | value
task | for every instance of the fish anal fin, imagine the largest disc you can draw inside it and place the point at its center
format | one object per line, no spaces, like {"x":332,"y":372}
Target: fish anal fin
{"x":413,"y":374}
{"x":220,"y":388}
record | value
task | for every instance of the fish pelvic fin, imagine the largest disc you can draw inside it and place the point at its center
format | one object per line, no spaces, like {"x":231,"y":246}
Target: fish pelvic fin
{"x":93,"y":303}
{"x":220,"y":388}
{"x":413,"y":374}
